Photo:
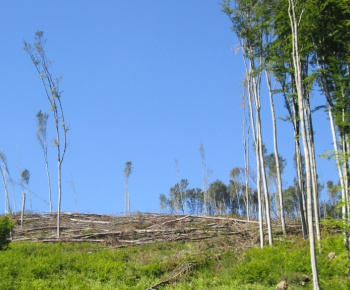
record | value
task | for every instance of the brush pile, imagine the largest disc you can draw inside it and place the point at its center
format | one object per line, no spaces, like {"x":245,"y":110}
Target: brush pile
{"x":136,"y":229}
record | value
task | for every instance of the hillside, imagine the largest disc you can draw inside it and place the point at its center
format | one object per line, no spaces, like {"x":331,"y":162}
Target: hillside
{"x":153,"y":251}
{"x":137,"y":229}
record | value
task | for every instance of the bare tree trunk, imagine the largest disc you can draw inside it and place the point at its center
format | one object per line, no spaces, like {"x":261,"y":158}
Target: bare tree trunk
{"x":309,"y":131}
{"x":245,"y":139}
{"x":127,"y":171}
{"x":340,"y":162}
{"x":41,"y":135}
{"x":60,"y":157}
{"x":204,"y":180}
{"x":59,"y":202}
{"x":49,"y":181}
{"x":182,"y":194}
{"x":293,"y":110}
{"x":59,"y":197}
{"x":278,"y":170}
{"x":346,"y":216}
{"x":72,"y":184}
{"x":302,"y":114}
{"x":300,"y":187}
{"x":263,"y":173}
{"x":23,"y":207}
{"x":258,"y":165}
{"x":255,"y":89}
{"x":125,"y":197}
{"x":126,"y":201}
{"x":7,"y":200}
{"x":246,"y":169}
{"x":347,"y":173}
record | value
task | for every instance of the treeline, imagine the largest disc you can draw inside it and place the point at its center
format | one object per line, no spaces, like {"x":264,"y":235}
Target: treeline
{"x":233,"y":199}
{"x":296,"y":47}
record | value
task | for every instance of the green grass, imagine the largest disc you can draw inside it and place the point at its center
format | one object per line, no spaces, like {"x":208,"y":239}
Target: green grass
{"x":79,"y":266}
{"x":87,"y":266}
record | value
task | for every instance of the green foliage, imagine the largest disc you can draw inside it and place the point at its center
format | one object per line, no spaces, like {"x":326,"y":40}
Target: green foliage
{"x":41,"y":119}
{"x":63,"y":266}
{"x":128,"y":169}
{"x":181,"y":199}
{"x":290,"y":199}
{"x":25,"y":176}
{"x":271,"y":264}
{"x":331,"y":222}
{"x":202,"y":266}
{"x":6,"y":226}
{"x":164,"y":202}
{"x":219,"y":197}
{"x":291,"y":261}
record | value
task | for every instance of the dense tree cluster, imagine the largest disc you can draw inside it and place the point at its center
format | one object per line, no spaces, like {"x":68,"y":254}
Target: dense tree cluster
{"x":298,"y":44}
{"x":297,"y":47}
{"x":231,"y":198}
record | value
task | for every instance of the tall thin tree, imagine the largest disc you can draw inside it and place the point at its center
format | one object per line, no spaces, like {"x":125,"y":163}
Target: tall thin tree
{"x":294,"y":24}
{"x":205,"y":179}
{"x":73,"y":186}
{"x":182,"y":193}
{"x":275,"y":146}
{"x":41,"y":119}
{"x":331,"y":39}
{"x":249,"y":26}
{"x":25,"y":176}
{"x":127,"y":171}
{"x":54,"y":95}
{"x":4,"y":172}
{"x":245,"y":139}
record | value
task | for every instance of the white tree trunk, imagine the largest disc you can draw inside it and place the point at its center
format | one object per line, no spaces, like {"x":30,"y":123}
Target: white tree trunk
{"x":23,"y":207}
{"x":310,"y":139}
{"x":278,"y":170}
{"x":302,"y":203}
{"x":246,"y":169}
{"x":49,"y":181}
{"x":126,"y":202}
{"x":204,"y":181}
{"x":263,"y":173}
{"x":245,"y":139}
{"x":256,"y":147}
{"x":302,"y":114}
{"x":59,"y":201}
{"x":255,"y":82}
{"x":7,"y":200}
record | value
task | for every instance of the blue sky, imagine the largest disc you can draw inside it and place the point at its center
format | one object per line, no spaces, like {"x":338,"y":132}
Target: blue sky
{"x":143,"y":81}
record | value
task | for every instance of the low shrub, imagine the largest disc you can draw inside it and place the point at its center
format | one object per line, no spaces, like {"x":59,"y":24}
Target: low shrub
{"x":6,"y":226}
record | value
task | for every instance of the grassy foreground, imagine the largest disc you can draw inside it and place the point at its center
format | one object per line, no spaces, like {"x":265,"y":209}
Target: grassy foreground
{"x":200,"y":265}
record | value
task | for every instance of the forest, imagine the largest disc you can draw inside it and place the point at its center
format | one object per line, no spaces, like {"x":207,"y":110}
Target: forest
{"x":294,"y":49}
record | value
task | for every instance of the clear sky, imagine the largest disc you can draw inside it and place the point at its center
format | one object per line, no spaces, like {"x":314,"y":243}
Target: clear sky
{"x":143,"y":81}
